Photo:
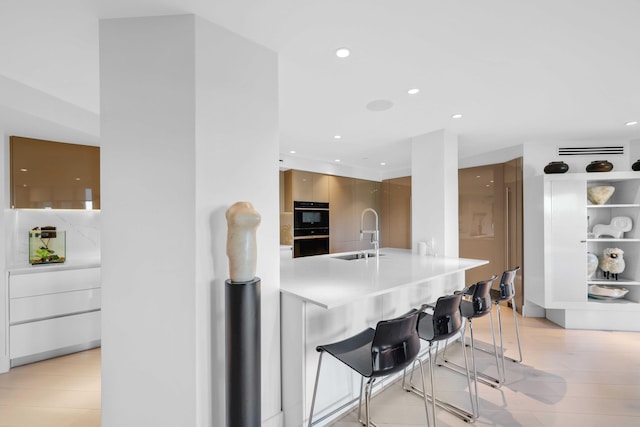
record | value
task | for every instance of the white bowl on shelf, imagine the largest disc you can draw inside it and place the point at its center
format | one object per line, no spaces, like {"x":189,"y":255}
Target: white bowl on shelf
{"x":600,"y":194}
{"x":606,"y":292}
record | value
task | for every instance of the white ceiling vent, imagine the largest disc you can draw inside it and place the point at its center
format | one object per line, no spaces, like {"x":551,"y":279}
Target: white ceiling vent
{"x":588,"y":151}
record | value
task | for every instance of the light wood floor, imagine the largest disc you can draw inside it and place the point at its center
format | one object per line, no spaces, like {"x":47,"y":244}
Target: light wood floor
{"x":567,"y":378}
{"x":60,"y":392}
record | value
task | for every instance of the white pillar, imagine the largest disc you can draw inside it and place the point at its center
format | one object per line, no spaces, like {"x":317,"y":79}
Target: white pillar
{"x":189,"y":126}
{"x":434,"y":191}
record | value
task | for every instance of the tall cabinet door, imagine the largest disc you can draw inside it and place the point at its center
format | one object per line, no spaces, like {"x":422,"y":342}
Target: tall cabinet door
{"x":566,"y":247}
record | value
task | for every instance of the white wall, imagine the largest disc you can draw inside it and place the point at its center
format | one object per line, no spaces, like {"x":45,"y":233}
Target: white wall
{"x":82,"y":229}
{"x":634,"y":151}
{"x":492,"y":157}
{"x":189,"y":125}
{"x":236,"y":160}
{"x":339,"y":169}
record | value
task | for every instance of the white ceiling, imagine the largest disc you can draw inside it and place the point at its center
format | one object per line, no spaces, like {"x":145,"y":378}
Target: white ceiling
{"x":517,"y":70}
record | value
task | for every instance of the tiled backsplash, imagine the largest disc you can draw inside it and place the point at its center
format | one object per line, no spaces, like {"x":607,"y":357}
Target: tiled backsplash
{"x":82,"y":227}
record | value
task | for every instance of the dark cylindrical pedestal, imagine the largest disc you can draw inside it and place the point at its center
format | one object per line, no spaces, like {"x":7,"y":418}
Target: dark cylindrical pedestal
{"x":243,"y":353}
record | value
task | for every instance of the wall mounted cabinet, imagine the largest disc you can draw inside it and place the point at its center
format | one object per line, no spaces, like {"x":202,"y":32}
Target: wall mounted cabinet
{"x":304,"y":186}
{"x":54,"y":175}
{"x":568,"y":222}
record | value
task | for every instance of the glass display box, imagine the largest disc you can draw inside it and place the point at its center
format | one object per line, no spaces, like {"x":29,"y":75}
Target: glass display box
{"x":47,"y":246}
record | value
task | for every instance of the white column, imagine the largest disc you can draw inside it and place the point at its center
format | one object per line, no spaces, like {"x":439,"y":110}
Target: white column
{"x":189,"y":126}
{"x":434,"y":191}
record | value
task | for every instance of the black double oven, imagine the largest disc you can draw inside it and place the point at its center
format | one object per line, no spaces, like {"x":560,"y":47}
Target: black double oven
{"x":310,"y":228}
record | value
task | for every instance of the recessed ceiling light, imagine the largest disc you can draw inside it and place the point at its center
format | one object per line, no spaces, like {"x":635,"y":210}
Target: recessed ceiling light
{"x":337,"y":160}
{"x":631,"y":123}
{"x":383,"y":164}
{"x":413,"y":91}
{"x":477,"y":176}
{"x":77,"y":179}
{"x":337,"y":136}
{"x":23,"y":170}
{"x":292,"y":152}
{"x":456,"y":116}
{"x":343,"y":52}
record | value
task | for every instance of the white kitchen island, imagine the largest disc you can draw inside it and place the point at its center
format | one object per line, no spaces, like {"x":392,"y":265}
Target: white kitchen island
{"x":325,"y":299}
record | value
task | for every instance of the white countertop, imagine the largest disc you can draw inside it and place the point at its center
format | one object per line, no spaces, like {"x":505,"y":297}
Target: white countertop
{"x":45,"y":268}
{"x":330,"y":282}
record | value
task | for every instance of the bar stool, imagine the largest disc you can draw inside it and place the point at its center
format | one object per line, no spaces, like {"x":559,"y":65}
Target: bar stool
{"x":507,"y":293}
{"x":444,"y":323}
{"x":389,"y":348}
{"x":476,"y":302}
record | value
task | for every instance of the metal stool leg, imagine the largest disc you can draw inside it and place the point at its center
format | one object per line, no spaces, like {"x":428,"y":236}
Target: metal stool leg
{"x":315,"y":389}
{"x":455,"y":410}
{"x":504,"y":371}
{"x":515,"y":321}
{"x":475,"y":372}
{"x":367,"y":402}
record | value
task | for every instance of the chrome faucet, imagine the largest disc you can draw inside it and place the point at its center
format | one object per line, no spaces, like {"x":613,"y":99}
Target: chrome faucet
{"x":375,"y":234}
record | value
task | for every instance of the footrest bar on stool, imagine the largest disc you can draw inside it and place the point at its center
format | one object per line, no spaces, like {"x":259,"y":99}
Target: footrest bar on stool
{"x":486,"y":350}
{"x":452,"y":409}
{"x":483,"y":378}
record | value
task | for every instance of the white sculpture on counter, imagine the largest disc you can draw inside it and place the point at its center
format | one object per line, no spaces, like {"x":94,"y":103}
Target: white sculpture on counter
{"x":242,"y":222}
{"x":615,"y":229}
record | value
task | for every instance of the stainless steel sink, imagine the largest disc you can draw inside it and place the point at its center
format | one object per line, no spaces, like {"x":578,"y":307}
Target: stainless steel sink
{"x":359,"y":255}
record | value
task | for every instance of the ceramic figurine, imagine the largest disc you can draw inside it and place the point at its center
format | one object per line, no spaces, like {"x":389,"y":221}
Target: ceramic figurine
{"x":556,"y":167}
{"x":616,"y":228}
{"x":599,"y":166}
{"x":612,"y":263}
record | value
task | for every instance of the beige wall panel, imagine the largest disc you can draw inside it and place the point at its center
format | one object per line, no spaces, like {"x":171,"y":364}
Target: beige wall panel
{"x":368,"y":195}
{"x":343,"y":226}
{"x":320,"y":188}
{"x":399,"y":213}
{"x":302,"y":186}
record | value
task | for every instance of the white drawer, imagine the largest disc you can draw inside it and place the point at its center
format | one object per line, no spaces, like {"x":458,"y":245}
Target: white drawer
{"x":26,"y":285}
{"x":44,"y":306}
{"x":37,"y":337}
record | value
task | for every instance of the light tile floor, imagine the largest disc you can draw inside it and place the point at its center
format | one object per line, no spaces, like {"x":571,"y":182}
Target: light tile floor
{"x":567,"y":378}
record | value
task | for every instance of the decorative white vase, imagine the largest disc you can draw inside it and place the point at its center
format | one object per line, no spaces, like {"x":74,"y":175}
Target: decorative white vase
{"x":601,"y":194}
{"x":592,"y":264}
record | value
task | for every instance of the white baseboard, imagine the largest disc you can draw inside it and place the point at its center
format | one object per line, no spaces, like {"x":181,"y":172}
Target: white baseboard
{"x":5,"y":364}
{"x":530,"y":309}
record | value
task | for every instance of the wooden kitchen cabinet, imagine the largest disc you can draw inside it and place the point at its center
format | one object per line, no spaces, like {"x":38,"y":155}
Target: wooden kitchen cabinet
{"x":305,"y":186}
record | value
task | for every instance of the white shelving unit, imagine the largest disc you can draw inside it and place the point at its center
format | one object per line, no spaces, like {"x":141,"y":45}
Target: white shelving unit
{"x":568,"y":222}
